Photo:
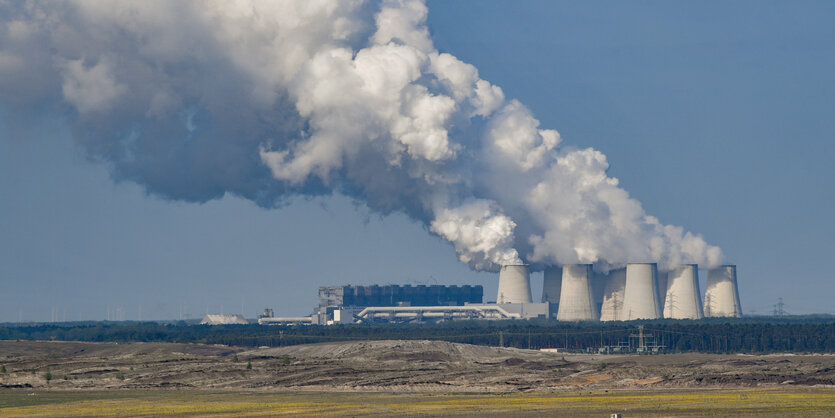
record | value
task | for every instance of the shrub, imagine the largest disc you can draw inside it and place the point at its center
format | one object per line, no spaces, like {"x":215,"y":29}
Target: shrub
{"x":249,"y":365}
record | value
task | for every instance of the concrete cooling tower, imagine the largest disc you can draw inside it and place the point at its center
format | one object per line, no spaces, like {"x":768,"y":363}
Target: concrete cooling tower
{"x":613,"y":284}
{"x":662,"y":287}
{"x":683,"y":299}
{"x":597,"y":286}
{"x":640,"y":294}
{"x":514,"y":284}
{"x":551,"y":284}
{"x":722,"y":293}
{"x":576,"y":299}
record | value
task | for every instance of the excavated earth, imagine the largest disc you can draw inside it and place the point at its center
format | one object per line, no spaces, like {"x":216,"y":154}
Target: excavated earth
{"x":397,"y":366}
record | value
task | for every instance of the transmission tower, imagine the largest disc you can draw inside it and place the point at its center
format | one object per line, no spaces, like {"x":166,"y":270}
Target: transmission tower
{"x":778,"y":308}
{"x":670,"y":305}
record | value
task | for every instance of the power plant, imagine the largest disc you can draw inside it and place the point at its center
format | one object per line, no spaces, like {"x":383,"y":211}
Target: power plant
{"x":721,"y":293}
{"x":640,"y":293}
{"x":514,"y":285}
{"x":576,"y":299}
{"x":571,"y":292}
{"x":552,"y":285}
{"x":682,"y":299}
{"x":613,"y":286}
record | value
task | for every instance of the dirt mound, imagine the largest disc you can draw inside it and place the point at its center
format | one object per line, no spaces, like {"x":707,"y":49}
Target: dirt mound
{"x":393,"y":349}
{"x":397,"y":366}
{"x":60,"y":349}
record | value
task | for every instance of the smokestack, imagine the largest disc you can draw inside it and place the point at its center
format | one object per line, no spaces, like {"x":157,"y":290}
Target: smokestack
{"x":614,"y":284}
{"x":576,"y":299}
{"x":722,"y":293}
{"x":640,"y":294}
{"x":682,"y":299}
{"x":551,"y":284}
{"x":514,"y":284}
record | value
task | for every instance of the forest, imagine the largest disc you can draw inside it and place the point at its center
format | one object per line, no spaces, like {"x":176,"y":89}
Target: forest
{"x":814,"y":334}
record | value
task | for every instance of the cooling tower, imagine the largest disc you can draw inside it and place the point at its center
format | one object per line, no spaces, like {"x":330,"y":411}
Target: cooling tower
{"x":722,"y":294}
{"x":576,"y":299}
{"x":598,"y":282}
{"x":614,"y":283}
{"x":514,"y":284}
{"x":662,"y":287}
{"x":640,"y":294}
{"x":551,"y":284}
{"x":683,"y":299}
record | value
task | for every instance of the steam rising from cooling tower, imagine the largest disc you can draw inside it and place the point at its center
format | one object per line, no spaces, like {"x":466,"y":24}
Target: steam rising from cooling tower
{"x":722,"y":293}
{"x":514,"y":284}
{"x":270,"y":100}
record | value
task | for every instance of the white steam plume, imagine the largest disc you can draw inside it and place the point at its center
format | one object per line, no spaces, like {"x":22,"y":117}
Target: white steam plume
{"x":266,"y":100}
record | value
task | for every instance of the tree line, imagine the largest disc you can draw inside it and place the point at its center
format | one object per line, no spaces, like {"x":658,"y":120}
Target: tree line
{"x":745,"y":335}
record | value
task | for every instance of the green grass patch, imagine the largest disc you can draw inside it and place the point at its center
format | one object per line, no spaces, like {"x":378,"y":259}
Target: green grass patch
{"x":737,"y":402}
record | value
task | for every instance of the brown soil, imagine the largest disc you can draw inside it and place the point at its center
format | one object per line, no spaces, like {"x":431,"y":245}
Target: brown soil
{"x":398,"y":366}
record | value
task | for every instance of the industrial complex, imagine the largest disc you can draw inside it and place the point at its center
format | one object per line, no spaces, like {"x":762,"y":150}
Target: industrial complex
{"x":569,"y":293}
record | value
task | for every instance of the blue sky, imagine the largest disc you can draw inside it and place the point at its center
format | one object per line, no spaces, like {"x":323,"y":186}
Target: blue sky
{"x":717,"y":116}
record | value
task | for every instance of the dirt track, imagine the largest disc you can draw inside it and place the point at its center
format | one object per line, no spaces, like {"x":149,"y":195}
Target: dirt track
{"x":425,"y":366}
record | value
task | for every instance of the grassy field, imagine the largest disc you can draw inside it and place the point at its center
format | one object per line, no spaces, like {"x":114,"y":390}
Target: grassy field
{"x":782,"y":402}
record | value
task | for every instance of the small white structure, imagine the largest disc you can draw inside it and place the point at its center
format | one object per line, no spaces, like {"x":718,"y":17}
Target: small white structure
{"x":514,"y":284}
{"x":722,"y":293}
{"x":614,"y":283}
{"x":682,"y":298}
{"x":640,"y":294}
{"x":221,"y":319}
{"x":345,"y":315}
{"x":286,"y":320}
{"x":576,"y":299}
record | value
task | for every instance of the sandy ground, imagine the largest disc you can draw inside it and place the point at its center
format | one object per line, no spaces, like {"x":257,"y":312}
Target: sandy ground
{"x":389,"y":366}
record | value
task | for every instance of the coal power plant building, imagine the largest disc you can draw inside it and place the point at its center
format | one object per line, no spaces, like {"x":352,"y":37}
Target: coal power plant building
{"x":571,"y":292}
{"x":347,"y":299}
{"x":395,"y":295}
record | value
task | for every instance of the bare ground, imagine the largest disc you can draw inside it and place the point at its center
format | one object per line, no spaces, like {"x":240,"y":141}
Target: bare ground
{"x":389,"y":366}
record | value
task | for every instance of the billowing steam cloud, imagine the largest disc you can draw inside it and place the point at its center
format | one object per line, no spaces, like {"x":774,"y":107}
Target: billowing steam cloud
{"x":267,"y":100}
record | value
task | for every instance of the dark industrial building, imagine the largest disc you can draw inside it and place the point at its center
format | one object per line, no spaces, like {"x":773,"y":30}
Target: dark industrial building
{"x":335,"y":297}
{"x":396,"y":295}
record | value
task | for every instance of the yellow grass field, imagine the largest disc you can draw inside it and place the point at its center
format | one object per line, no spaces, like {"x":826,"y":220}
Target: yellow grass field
{"x":737,"y":402}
